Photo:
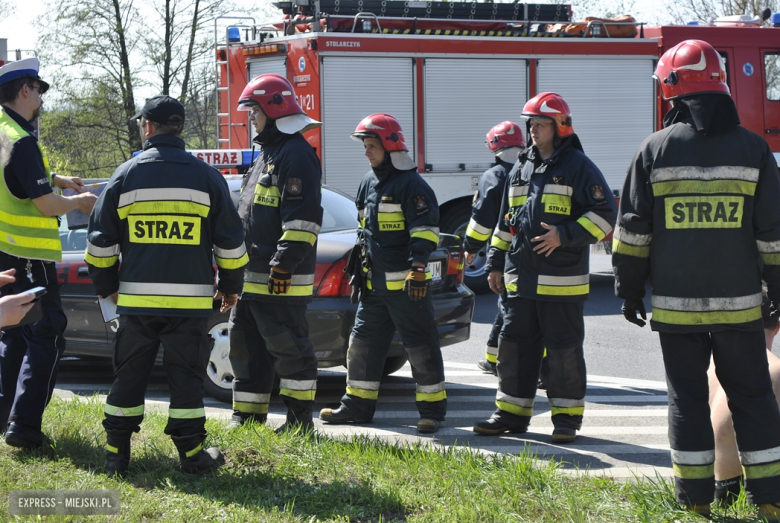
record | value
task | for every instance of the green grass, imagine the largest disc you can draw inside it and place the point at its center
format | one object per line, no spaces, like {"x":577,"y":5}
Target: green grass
{"x":305,"y":478}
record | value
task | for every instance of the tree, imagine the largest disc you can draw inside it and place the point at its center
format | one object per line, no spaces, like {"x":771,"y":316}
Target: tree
{"x":7,"y":8}
{"x":706,"y":10}
{"x":94,"y":42}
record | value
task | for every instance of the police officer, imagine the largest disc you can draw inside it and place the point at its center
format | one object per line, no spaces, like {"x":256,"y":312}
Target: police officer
{"x":554,"y":208}
{"x":29,"y":245}
{"x":698,"y":218}
{"x":506,"y":141}
{"x":399,"y":217}
{"x":281,"y":210}
{"x":166,"y":213}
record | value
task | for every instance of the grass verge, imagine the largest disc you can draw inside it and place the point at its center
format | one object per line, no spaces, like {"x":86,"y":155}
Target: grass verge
{"x":310,"y":478}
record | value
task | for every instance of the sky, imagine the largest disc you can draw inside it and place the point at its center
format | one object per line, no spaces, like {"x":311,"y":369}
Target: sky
{"x":21,"y":32}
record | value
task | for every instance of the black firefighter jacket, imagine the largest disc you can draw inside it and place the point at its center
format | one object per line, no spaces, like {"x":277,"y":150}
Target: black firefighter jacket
{"x":399,"y":222}
{"x":700,"y":208}
{"x":280,"y":206}
{"x":165,"y":212}
{"x":568,"y":191}
{"x":486,"y":206}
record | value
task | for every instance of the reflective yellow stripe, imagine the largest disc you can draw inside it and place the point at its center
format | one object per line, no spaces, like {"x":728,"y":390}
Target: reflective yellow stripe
{"x":33,"y":222}
{"x":362,"y":393}
{"x":299,"y":236}
{"x":250,"y":408}
{"x":123,"y":411}
{"x":570,"y":290}
{"x":471,"y":233}
{"x":194,"y":451}
{"x":770,"y":258}
{"x":111,"y":448}
{"x":591,"y":227}
{"x":395,"y":285}
{"x":630,"y":250}
{"x":38,"y":245}
{"x":187,"y":413}
{"x":517,"y":201}
{"x":571,"y":411}
{"x":262,"y":288}
{"x":362,"y":223}
{"x":769,"y":470}
{"x":514,"y":409}
{"x":303,"y":395}
{"x":492,"y":358}
{"x":268,"y":196}
{"x":500,"y":244}
{"x":431,"y":396}
{"x":694,"y":471}
{"x":706,"y":318}
{"x":511,"y":286}
{"x":100,"y":262}
{"x":164,"y":207}
{"x":426,"y":235}
{"x":704,"y":187}
{"x":165,"y":302}
{"x":232,"y":263}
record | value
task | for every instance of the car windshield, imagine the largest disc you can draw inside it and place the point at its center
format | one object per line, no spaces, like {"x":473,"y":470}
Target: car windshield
{"x":339,"y":214}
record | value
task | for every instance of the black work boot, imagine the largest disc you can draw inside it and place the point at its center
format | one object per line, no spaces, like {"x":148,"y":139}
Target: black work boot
{"x":21,"y":436}
{"x":194,"y":459}
{"x":494,"y":427}
{"x":487,"y":366}
{"x":297,"y":421}
{"x":118,"y":452}
{"x":340,"y":415}
{"x":239,"y":419}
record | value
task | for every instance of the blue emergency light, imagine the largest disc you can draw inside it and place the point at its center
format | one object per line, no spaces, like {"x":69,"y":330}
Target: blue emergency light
{"x":234,"y":35}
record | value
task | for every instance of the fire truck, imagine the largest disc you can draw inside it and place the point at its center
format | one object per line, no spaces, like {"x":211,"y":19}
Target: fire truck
{"x":450,"y":71}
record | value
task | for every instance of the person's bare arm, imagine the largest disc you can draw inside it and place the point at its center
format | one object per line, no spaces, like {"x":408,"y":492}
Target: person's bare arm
{"x":56,"y":205}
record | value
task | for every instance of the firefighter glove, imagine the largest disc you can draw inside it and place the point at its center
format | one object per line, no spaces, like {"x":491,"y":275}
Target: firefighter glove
{"x":631,"y":307}
{"x":279,"y":281}
{"x":416,"y":284}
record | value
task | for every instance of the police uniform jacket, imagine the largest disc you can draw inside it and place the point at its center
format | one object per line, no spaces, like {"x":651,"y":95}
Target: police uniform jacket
{"x":486,"y":206}
{"x":399,"y":218}
{"x":568,"y":191}
{"x":281,"y":209}
{"x":165,"y":212}
{"x":700,"y":208}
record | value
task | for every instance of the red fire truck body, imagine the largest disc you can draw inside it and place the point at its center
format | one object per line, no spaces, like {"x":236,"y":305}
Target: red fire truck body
{"x":448,"y":90}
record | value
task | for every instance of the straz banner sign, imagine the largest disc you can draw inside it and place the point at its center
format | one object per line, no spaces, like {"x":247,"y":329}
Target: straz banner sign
{"x":219,"y":157}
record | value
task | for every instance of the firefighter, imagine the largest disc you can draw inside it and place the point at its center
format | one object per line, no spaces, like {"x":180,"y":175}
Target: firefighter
{"x":29,"y":246}
{"x":698,"y":218}
{"x":165,"y":212}
{"x":399,"y":216}
{"x":281,"y":210}
{"x":506,"y":141}
{"x":553,"y":209}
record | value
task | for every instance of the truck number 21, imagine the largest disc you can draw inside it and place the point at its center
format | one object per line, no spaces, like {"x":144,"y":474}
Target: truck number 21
{"x":306,"y":101}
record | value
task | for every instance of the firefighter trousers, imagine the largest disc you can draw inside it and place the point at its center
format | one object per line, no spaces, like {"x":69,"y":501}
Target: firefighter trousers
{"x":266,"y":339}
{"x":377,"y":319}
{"x":742,"y":369}
{"x":30,"y":354}
{"x":137,"y":342}
{"x":491,"y":350}
{"x":529,"y":327}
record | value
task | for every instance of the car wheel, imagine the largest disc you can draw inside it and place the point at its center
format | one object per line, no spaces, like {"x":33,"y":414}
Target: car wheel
{"x":455,"y":222}
{"x":219,"y":372}
{"x":393,"y":364}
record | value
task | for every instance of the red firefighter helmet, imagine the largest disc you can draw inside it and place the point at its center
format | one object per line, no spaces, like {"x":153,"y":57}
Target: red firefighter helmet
{"x":276,"y":97}
{"x":691,"y":67}
{"x":504,"y":135}
{"x":553,"y":106}
{"x":384,"y":127}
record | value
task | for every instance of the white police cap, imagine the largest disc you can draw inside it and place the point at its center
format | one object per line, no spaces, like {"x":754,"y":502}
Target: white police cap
{"x":27,"y":68}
